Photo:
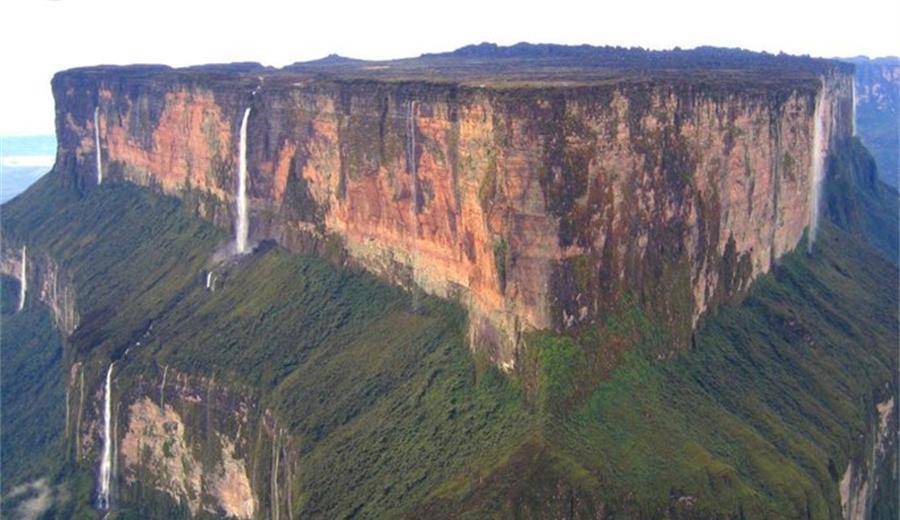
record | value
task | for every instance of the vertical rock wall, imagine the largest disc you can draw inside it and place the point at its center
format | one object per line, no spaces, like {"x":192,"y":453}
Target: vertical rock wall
{"x":535,"y":207}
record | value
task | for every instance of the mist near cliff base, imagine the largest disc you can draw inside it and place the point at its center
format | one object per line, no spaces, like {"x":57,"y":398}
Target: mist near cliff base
{"x":227,"y":253}
{"x":32,"y":500}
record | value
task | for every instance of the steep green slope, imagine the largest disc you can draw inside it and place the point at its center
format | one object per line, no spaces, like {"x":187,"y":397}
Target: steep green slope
{"x":386,"y":402}
{"x":759,"y":418}
{"x":390,"y":415}
{"x":32,"y":390}
{"x":128,"y":253}
{"x":858,"y":202}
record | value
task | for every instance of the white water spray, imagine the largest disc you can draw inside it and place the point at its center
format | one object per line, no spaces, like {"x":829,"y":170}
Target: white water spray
{"x":242,"y":225}
{"x":106,"y":460}
{"x":817,"y":169}
{"x":23,"y":286}
{"x":97,"y":144}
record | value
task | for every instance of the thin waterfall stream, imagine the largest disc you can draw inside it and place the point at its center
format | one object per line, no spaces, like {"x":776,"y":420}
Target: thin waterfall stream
{"x":106,"y":459}
{"x":242,"y":227}
{"x":23,"y":286}
{"x":412,"y":166}
{"x":817,"y":169}
{"x":97,"y":145}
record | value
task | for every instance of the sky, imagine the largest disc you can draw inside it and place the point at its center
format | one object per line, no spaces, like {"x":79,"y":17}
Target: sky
{"x":40,"y":37}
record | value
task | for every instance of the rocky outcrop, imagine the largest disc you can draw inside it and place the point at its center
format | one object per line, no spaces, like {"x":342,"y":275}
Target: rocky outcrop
{"x":205,"y":446}
{"x":860,"y":481}
{"x":536,"y":204}
{"x":155,"y":444}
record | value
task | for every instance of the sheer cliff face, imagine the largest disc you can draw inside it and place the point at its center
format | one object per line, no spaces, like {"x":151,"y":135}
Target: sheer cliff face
{"x":535,"y":207}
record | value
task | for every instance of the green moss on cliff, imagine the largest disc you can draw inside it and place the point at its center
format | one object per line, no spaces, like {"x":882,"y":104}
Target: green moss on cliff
{"x":487,"y":189}
{"x":501,"y":257}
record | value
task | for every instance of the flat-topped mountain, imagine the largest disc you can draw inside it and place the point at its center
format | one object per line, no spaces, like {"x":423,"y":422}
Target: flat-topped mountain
{"x":526,"y":64}
{"x":534,"y":281}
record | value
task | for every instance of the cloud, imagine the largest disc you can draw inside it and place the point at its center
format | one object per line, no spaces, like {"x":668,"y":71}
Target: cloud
{"x":12,"y":161}
{"x":37,"y":497}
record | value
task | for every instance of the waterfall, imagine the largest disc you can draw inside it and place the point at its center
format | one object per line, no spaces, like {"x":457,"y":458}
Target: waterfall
{"x":853,"y":109}
{"x":412,"y":166}
{"x":80,"y":410}
{"x":68,"y":384}
{"x":106,"y":461}
{"x":97,"y":144}
{"x":275,"y":453}
{"x":242,"y":226}
{"x":411,"y":154}
{"x":162,"y":388}
{"x":817,"y":169}
{"x":23,"y":286}
{"x":209,"y":280}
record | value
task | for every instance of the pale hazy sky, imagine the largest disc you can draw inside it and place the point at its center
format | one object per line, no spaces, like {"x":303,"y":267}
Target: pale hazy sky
{"x":39,"y":37}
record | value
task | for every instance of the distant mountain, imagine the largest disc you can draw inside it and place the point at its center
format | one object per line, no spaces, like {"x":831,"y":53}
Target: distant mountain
{"x":704,"y":57}
{"x":877,"y":115}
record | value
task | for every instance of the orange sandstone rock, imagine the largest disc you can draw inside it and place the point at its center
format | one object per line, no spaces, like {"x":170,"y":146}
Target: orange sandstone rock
{"x":536,"y":207}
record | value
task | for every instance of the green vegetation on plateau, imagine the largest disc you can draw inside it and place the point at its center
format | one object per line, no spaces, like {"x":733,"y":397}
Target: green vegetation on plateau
{"x":392,"y":415}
